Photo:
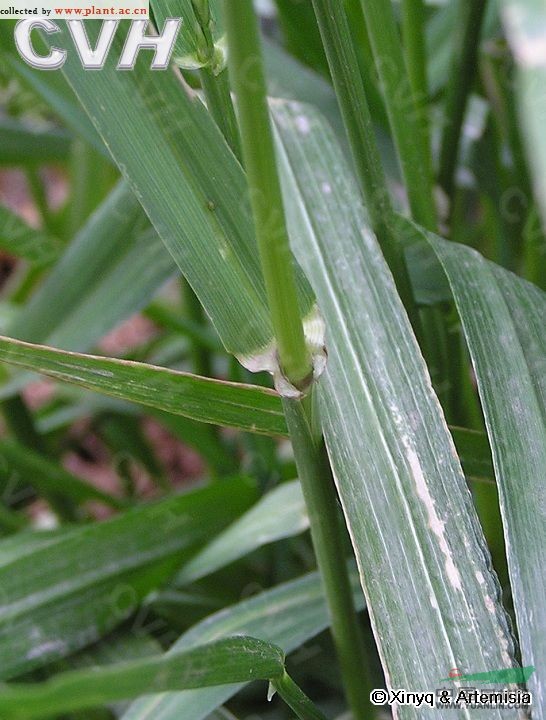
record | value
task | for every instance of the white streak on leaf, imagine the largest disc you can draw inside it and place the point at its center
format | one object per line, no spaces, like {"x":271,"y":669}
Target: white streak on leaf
{"x":434,"y":522}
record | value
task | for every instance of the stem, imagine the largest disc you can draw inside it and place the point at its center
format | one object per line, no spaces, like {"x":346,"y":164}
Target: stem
{"x":404,"y":117}
{"x":248,"y":80}
{"x":220,"y":106}
{"x":343,"y":61}
{"x":413,"y":35}
{"x":463,"y":72}
{"x":364,"y":53}
{"x":328,"y":541}
{"x":296,"y":699}
{"x":495,"y":183}
{"x":258,"y":150}
{"x":414,"y":40}
{"x":215,"y":85}
{"x":497,"y":76}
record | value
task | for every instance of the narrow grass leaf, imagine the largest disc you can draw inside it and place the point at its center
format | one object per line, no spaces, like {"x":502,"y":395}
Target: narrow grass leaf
{"x":247,"y":407}
{"x":415,"y":533}
{"x":503,"y":321}
{"x":120,"y":646}
{"x":17,"y":546}
{"x":52,"y":88}
{"x":405,"y":114}
{"x":77,"y":404}
{"x":190,"y":185}
{"x":91,"y":273}
{"x":202,"y":438}
{"x":440,"y":40}
{"x":280,"y":514}
{"x":61,"y":593}
{"x":108,"y":272}
{"x":287,"y":615}
{"x":426,"y":276}
{"x":238,"y":659}
{"x":49,"y":477}
{"x":301,"y":34}
{"x":201,"y":176}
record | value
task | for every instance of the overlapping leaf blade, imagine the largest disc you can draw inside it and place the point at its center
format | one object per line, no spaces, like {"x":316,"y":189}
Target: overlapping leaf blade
{"x":53,"y":89}
{"x":279,"y":514}
{"x":239,"y":659}
{"x":288,"y":615}
{"x":213,"y":204}
{"x":402,"y":449}
{"x":420,"y":550}
{"x":247,"y":407}
{"x":72,"y":308}
{"x":193,"y":189}
{"x":108,"y":272}
{"x":62,"y":592}
{"x":113,"y":265}
{"x":503,"y":318}
{"x":474,"y":453}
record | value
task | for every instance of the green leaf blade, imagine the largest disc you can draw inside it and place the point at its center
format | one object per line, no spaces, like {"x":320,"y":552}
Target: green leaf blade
{"x":503,"y":321}
{"x":420,"y":549}
{"x":49,"y":477}
{"x":190,"y":185}
{"x":193,"y":169}
{"x":279,"y":514}
{"x":247,"y":407}
{"x":287,"y":615}
{"x":108,"y":272}
{"x":240,"y":659}
{"x":63,"y":591}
